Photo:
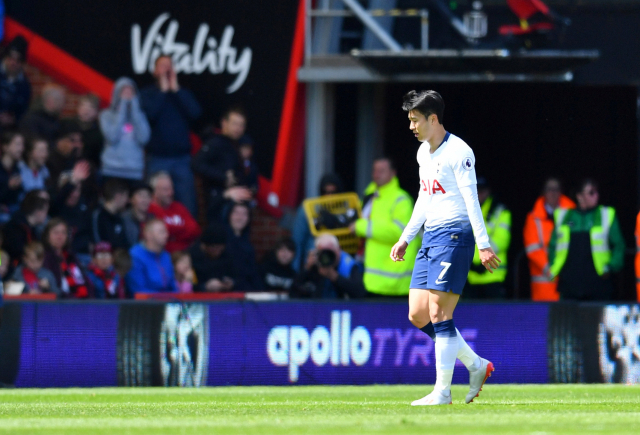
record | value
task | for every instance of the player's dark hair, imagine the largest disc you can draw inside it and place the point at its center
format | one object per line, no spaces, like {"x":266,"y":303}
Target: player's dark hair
{"x":33,"y":202}
{"x":426,"y":102}
{"x":392,"y":163}
{"x":113,"y":187}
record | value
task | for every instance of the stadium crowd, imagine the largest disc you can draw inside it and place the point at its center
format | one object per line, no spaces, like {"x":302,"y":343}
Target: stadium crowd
{"x":103,"y":205}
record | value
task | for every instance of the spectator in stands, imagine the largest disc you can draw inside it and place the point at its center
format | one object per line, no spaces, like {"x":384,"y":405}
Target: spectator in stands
{"x":5,"y":262}
{"x":59,"y":259}
{"x":213,"y":267}
{"x":138,"y":214}
{"x":45,"y":120}
{"x":329,"y":184}
{"x":33,"y":171}
{"x":183,"y":228}
{"x":151,"y":268}
{"x":11,"y":189}
{"x":67,"y":151}
{"x":87,"y":121}
{"x":217,"y":163}
{"x":21,"y":229}
{"x":122,"y":265}
{"x":183,"y":271}
{"x":329,"y":273}
{"x":240,"y":249}
{"x":36,"y":279}
{"x":126,"y":132}
{"x":107,"y":224}
{"x":15,"y":89}
{"x":171,"y":109}
{"x":277,"y":270}
{"x":71,"y":205}
{"x":106,"y":281}
{"x":586,"y":247}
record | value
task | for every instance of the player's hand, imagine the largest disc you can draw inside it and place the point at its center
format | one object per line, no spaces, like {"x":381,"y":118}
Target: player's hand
{"x":398,"y":251}
{"x":489,"y":259}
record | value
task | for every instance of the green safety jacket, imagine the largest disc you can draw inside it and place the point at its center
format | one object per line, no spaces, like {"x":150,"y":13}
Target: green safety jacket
{"x":604,"y":234}
{"x":390,"y":212}
{"x":497,"y":219}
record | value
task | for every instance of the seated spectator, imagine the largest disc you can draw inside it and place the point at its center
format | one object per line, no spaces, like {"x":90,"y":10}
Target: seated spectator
{"x":36,"y":279}
{"x":329,"y":273}
{"x":44,"y":121}
{"x":21,"y":229}
{"x":67,"y":151}
{"x":107,"y":283}
{"x":183,"y":271}
{"x":126,"y":132}
{"x":151,"y":267}
{"x":33,"y":170}
{"x":213,"y":267}
{"x":277,"y":272}
{"x":59,"y":259}
{"x":15,"y":89}
{"x":71,"y":205}
{"x":107,"y":224}
{"x":87,"y":120}
{"x":138,"y":214}
{"x":183,"y":228}
{"x":11,"y":189}
{"x":240,"y":249}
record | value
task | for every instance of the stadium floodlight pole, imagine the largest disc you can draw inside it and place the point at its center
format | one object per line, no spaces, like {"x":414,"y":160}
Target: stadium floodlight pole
{"x":366,"y":19}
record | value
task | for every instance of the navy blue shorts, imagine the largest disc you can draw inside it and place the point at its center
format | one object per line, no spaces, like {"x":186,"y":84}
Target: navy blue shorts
{"x":443,"y":268}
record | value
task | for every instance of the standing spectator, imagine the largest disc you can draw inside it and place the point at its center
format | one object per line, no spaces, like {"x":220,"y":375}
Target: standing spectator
{"x":33,"y":171}
{"x":107,"y":224}
{"x":138,"y":214}
{"x":15,"y":89}
{"x":212,"y":265}
{"x":151,"y":268}
{"x":217,"y":163}
{"x":87,"y":121}
{"x":482,"y":284}
{"x":45,"y":120}
{"x":36,"y":279}
{"x":171,"y":109}
{"x":67,"y":151}
{"x":240,"y":249}
{"x":183,"y":228}
{"x":386,"y":210}
{"x":106,"y":281}
{"x":277,"y":272}
{"x":586,"y":247}
{"x":183,"y":270}
{"x":58,"y":258}
{"x":10,"y":180}
{"x":329,"y":184}
{"x":537,"y":233}
{"x":21,"y":229}
{"x":126,"y":131}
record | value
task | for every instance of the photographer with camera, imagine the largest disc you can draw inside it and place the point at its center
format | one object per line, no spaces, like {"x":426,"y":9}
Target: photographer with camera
{"x":329,"y":273}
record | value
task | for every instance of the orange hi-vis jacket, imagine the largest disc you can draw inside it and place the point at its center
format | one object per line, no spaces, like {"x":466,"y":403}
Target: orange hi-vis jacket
{"x":637,"y":263}
{"x":537,"y":233}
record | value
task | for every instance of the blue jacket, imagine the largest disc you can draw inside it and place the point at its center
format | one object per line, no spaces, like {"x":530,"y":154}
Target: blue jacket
{"x":170,"y":115}
{"x":150,"y":272}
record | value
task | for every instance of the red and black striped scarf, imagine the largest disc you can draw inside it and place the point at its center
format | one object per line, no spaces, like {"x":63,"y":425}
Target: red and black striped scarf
{"x":72,"y":273}
{"x":113,"y":287}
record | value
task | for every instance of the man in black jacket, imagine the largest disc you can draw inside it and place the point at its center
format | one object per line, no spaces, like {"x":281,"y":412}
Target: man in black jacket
{"x":107,"y":224}
{"x":21,"y":229}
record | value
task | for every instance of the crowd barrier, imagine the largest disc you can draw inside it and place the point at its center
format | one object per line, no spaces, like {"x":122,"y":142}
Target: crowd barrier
{"x":90,"y":344}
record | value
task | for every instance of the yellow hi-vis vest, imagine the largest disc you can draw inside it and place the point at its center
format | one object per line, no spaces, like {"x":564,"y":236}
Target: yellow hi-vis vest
{"x":599,"y":235}
{"x":390,"y":212}
{"x":499,"y":231}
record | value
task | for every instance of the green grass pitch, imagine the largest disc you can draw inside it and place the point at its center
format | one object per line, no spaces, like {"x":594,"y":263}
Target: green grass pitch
{"x":380,"y":409}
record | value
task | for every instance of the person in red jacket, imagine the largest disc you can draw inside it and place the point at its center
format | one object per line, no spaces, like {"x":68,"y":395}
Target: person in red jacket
{"x":183,"y":228}
{"x":537,"y":233}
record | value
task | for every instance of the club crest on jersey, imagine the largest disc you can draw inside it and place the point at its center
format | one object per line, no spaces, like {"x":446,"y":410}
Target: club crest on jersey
{"x":467,"y":163}
{"x":432,"y":187}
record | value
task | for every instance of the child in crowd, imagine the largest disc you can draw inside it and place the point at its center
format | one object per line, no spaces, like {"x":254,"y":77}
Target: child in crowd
{"x":183,"y":271}
{"x":36,"y":279}
{"x":277,"y":269}
{"x":106,"y":280}
{"x":33,"y":171}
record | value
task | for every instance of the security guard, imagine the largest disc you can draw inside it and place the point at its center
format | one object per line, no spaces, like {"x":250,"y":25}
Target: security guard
{"x":386,"y":211}
{"x":586,"y":247}
{"x":481,"y":284}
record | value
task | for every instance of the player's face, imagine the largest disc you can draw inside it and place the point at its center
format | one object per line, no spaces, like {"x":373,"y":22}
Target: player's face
{"x":420,"y":125}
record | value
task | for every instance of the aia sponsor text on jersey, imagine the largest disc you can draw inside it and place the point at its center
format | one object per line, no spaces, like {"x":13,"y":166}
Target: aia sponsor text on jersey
{"x":432,"y":187}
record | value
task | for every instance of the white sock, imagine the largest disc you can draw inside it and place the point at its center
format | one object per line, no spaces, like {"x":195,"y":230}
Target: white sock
{"x":446,"y":348}
{"x":469,"y":358}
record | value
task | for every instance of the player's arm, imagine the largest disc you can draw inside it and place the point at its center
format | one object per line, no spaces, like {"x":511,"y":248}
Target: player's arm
{"x":418,"y":218}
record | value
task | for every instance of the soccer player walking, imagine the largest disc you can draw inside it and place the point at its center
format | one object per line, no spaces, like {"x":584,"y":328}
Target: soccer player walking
{"x":449,"y":209}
